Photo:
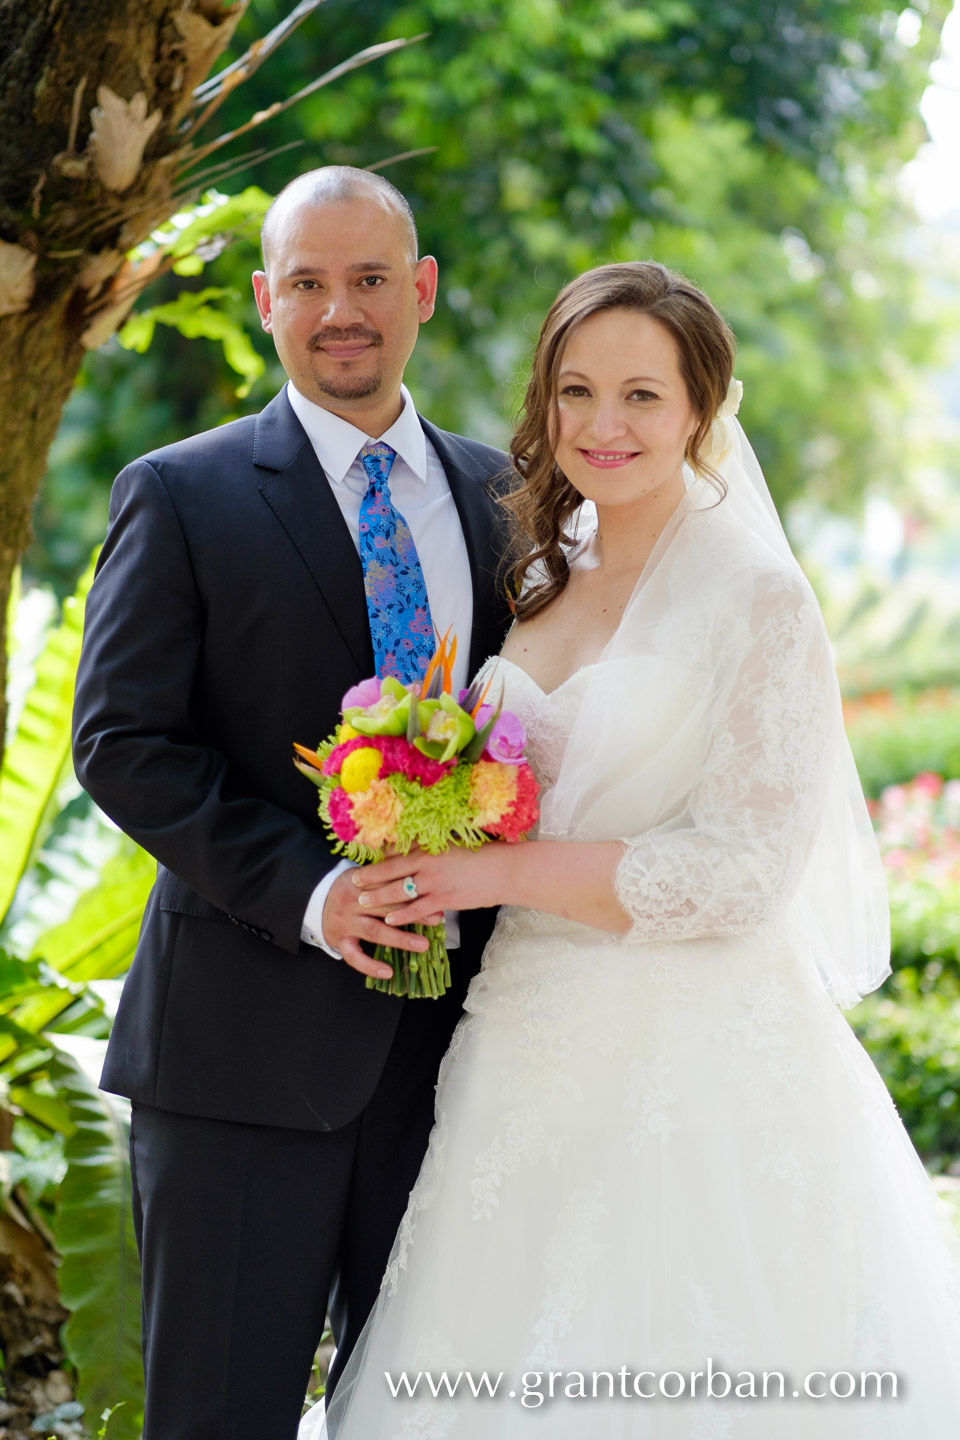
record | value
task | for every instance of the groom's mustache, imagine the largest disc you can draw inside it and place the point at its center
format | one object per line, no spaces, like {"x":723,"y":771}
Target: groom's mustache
{"x":352,"y":332}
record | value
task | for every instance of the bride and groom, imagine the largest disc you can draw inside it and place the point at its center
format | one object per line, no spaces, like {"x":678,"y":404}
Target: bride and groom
{"x":654,"y":1141}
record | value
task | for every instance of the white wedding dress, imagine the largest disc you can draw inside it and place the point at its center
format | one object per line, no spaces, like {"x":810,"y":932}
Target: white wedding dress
{"x":646,"y":1158}
{"x":667,"y":1148}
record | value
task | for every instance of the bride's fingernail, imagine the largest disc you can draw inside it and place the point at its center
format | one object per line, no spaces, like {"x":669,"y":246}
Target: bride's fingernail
{"x":364,"y":899}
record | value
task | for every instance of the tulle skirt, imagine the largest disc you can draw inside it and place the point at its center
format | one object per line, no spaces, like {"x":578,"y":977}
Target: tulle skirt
{"x":667,"y":1195}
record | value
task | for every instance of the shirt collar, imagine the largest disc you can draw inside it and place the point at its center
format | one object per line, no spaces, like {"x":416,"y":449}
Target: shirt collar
{"x":338,"y":443}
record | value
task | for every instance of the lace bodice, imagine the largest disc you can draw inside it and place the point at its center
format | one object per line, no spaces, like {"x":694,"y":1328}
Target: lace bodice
{"x":547,"y":717}
{"x":723,"y":855}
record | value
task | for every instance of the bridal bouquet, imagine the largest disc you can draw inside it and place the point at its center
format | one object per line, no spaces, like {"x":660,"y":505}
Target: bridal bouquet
{"x":411,"y":765}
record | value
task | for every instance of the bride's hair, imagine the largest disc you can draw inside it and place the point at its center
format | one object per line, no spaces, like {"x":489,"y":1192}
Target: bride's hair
{"x":543,"y":500}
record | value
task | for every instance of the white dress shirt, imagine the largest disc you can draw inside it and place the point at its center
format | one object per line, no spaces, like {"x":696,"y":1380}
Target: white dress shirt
{"x":421,"y":493}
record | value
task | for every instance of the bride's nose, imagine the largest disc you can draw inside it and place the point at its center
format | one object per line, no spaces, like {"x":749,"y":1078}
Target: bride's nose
{"x":607,"y":421}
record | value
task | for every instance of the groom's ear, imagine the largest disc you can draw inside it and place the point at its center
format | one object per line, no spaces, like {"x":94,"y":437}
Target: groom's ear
{"x":261,"y":292}
{"x":425,"y":283}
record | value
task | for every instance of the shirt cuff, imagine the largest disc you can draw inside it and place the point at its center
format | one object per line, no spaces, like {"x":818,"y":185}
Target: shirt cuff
{"x":311,"y":932}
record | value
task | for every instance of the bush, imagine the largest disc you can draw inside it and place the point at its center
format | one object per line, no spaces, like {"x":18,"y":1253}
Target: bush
{"x":911,"y":1027}
{"x":895,"y":736}
{"x":918,"y":829}
{"x":912,"y":1033}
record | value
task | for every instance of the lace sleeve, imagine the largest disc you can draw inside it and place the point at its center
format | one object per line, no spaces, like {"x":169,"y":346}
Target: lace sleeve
{"x":730,"y":863}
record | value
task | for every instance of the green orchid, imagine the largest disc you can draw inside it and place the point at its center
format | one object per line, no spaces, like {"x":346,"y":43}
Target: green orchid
{"x":389,"y":716}
{"x":445,"y":728}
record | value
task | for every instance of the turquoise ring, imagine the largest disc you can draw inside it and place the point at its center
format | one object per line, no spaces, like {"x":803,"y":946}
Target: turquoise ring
{"x":410,"y":888}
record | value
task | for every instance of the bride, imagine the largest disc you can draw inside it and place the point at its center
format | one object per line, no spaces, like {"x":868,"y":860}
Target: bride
{"x":666,"y":1193}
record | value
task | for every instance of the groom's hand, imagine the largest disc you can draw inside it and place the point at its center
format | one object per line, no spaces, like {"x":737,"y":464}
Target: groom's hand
{"x":345,"y":924}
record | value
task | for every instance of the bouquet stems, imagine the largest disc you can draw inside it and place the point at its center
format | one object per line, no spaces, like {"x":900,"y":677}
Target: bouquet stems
{"x":418,"y":974}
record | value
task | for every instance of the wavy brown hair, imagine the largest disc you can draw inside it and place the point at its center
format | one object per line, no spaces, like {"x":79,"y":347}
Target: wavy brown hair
{"x":542,"y":499}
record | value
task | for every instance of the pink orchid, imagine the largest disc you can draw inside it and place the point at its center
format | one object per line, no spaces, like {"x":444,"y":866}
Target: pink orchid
{"x":364,"y":694}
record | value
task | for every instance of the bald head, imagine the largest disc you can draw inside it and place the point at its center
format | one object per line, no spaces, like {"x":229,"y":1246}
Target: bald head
{"x":334,"y":185}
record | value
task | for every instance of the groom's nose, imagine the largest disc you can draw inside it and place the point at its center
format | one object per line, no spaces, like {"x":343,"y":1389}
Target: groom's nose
{"x":342,"y":306}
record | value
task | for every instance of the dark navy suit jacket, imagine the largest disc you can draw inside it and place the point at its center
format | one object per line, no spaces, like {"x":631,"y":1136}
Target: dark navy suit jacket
{"x":226,"y":620}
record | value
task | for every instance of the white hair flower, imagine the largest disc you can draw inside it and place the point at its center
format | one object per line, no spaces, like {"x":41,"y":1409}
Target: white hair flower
{"x":720,"y":436}
{"x":731,"y":401}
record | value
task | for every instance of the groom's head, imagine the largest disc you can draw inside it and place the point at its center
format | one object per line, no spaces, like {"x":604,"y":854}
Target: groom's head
{"x":342,"y":290}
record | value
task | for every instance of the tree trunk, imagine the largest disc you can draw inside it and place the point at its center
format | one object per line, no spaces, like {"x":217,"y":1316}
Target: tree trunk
{"x":95,"y":97}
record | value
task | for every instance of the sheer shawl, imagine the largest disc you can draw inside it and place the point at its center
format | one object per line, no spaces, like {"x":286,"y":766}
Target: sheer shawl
{"x":711,"y":741}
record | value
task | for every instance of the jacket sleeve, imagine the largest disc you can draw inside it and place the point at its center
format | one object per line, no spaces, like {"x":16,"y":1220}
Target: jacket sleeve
{"x":136,"y":747}
{"x":731,"y":862}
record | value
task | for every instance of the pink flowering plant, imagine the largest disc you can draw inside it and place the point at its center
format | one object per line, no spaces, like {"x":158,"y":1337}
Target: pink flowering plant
{"x":412,"y":766}
{"x":918,"y":828}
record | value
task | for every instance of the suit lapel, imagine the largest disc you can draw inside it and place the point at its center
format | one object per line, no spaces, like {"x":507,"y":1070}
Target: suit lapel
{"x":296,"y":489}
{"x":483,"y":533}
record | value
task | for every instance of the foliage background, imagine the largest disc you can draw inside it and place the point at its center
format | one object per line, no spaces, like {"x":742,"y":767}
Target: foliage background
{"x":753,"y":145}
{"x":757,"y":147}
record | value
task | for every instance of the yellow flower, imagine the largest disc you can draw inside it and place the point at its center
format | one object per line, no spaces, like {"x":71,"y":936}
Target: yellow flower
{"x":345,"y":732}
{"x":360,"y":768}
{"x":376,"y":813}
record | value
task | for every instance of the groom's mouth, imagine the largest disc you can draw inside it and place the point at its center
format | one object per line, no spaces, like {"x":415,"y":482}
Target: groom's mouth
{"x":609,"y":459}
{"x":344,"y":345}
{"x":348,"y":351}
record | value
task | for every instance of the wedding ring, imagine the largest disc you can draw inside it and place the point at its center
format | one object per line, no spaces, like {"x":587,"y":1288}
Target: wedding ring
{"x":410,"y":888}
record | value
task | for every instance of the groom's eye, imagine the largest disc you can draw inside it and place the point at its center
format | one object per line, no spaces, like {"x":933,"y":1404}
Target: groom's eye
{"x":373,"y":282}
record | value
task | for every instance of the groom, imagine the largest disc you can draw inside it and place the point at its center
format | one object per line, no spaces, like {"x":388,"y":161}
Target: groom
{"x":280,"y":1109}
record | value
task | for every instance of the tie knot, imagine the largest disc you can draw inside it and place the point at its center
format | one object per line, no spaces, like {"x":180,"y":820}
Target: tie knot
{"x":377,"y":459}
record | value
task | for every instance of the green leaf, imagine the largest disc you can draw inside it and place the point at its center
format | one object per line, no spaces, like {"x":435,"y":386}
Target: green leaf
{"x":98,"y":940}
{"x":100,"y":1274}
{"x":194,"y":316}
{"x":48,"y":1110}
{"x":38,"y":757}
{"x":242,"y":213}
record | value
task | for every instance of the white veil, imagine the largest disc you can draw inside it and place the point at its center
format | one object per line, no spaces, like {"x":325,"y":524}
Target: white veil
{"x":711,"y":739}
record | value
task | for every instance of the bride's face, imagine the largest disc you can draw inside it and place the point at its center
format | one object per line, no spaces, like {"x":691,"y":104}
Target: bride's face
{"x":624,"y":416}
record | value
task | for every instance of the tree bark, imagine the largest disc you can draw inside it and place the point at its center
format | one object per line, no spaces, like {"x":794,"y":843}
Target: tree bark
{"x":95,"y":97}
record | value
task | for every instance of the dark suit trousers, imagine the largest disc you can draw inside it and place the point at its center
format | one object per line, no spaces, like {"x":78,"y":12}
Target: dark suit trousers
{"x":246,"y":1232}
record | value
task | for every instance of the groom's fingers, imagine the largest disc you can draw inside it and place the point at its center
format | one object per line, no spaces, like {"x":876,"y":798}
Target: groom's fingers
{"x":357,"y":959}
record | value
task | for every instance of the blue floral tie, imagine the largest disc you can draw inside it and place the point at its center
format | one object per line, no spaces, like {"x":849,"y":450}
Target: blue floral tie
{"x":400,"y":623}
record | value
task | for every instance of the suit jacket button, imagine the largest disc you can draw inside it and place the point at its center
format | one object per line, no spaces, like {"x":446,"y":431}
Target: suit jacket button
{"x":233,"y":920}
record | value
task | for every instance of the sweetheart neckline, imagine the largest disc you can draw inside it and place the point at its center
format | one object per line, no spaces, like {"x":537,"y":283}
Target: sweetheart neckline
{"x":547,"y":694}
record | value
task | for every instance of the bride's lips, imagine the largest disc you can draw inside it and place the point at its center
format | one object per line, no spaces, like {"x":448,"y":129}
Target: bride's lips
{"x":609,"y":459}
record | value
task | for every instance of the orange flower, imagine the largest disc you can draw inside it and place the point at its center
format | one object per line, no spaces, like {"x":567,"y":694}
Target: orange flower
{"x":376,"y":813}
{"x":493,"y":789}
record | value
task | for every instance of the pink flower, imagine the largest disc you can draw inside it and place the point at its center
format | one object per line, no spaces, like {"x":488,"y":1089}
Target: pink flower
{"x":928,"y":783}
{"x":525,"y":811}
{"x":364,"y":694}
{"x":341,"y":815}
{"x":506,"y":740}
{"x":400,"y":757}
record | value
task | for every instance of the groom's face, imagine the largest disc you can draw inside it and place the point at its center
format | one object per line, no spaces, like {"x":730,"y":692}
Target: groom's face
{"x":344,"y":298}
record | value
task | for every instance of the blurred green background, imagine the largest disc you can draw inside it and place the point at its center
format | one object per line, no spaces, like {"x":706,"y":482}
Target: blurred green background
{"x":768,"y":150}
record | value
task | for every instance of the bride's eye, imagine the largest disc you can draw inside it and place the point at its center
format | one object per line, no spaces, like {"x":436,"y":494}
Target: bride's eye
{"x":643,"y":395}
{"x":575,"y":390}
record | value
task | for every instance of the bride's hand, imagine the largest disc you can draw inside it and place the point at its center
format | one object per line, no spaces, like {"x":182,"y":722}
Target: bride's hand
{"x":461,"y":879}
